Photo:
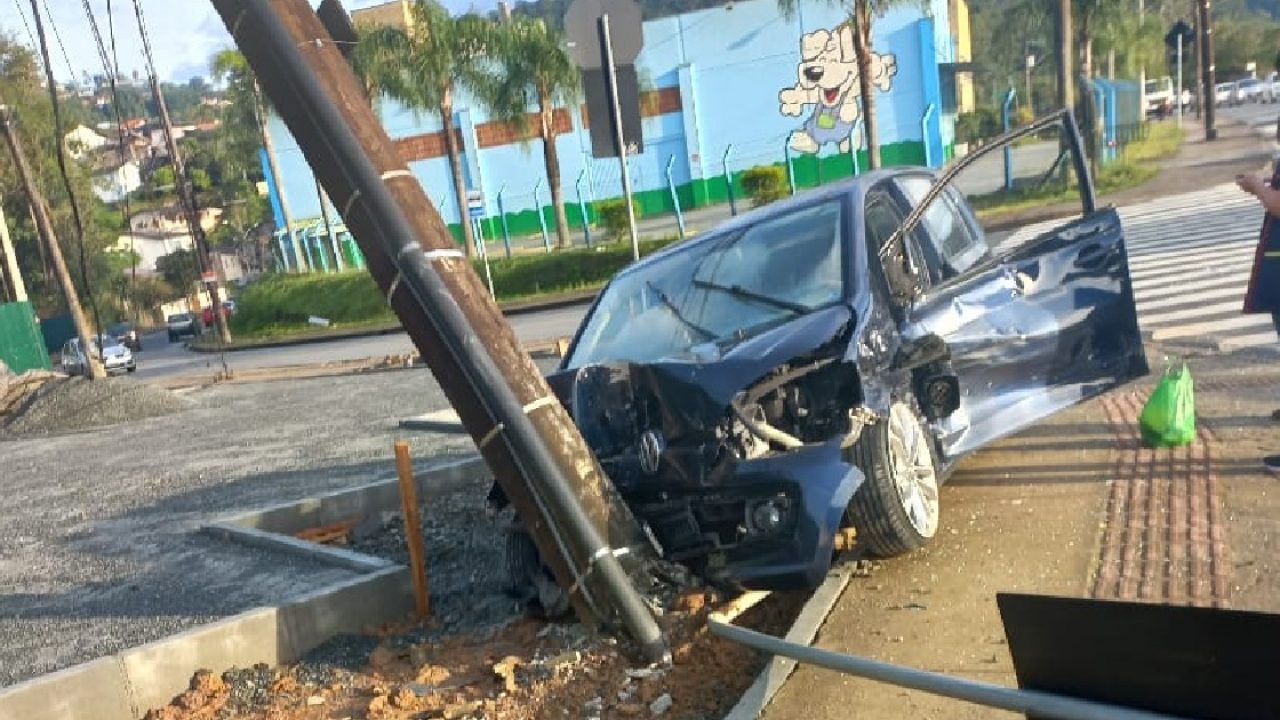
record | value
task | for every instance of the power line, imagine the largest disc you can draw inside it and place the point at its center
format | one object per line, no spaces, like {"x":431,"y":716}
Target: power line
{"x":62,"y":159}
{"x":111,"y":66}
{"x":30,"y":35}
{"x":65,"y":57}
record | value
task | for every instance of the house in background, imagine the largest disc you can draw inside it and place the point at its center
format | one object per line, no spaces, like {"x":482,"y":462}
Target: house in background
{"x":82,"y":141}
{"x":117,"y":182}
{"x":156,"y":233}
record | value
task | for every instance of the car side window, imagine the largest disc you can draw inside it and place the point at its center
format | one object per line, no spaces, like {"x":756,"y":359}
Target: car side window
{"x":953,"y":245}
{"x":903,"y":265}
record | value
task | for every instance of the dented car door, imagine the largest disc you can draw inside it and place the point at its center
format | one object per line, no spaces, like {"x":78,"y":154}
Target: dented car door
{"x":1040,"y":325}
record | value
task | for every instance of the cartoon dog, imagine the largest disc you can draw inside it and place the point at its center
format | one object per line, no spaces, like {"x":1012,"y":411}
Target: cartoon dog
{"x":828,"y":80}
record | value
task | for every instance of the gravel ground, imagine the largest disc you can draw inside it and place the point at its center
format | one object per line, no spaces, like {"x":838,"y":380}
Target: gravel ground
{"x":464,"y":548}
{"x":98,"y":552}
{"x":72,"y":404}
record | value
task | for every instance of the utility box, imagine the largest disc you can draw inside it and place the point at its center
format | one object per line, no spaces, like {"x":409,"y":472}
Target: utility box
{"x":21,"y":345}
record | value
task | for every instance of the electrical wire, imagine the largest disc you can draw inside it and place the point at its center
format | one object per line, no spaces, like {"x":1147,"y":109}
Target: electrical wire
{"x":186,"y":196}
{"x":62,"y":158}
{"x":58,"y":36}
{"x":30,"y":35}
{"x":111,"y":66}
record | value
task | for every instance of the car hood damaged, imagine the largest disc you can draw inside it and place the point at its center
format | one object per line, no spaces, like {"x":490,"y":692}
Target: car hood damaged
{"x":733,"y":455}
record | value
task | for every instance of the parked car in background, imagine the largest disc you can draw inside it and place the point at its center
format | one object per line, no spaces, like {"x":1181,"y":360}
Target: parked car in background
{"x":181,"y":324}
{"x":1226,"y":94}
{"x":127,"y":334}
{"x":820,"y":364}
{"x":114,"y":356}
{"x":1251,"y":89}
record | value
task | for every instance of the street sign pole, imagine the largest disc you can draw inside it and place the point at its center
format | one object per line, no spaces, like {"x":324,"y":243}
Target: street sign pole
{"x":615,"y":108}
{"x":1177,"y":102}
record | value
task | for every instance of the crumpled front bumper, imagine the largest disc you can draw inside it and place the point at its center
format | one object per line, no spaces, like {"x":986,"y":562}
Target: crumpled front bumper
{"x":820,"y":484}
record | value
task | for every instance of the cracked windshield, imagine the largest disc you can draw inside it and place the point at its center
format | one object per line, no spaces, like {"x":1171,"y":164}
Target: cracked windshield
{"x":726,"y":289}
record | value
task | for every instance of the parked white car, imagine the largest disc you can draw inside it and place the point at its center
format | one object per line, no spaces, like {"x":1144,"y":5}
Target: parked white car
{"x":1227,"y":93}
{"x":1251,"y":89}
{"x":115,"y":357}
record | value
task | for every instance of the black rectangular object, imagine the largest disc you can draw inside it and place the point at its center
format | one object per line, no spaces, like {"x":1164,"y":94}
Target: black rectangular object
{"x":603,"y":142}
{"x":1185,"y":661}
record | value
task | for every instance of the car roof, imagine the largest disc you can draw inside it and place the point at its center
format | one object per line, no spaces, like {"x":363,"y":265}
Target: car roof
{"x":851,"y":187}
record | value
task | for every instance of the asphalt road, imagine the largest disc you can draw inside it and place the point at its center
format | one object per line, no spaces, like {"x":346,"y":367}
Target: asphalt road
{"x":161,"y":359}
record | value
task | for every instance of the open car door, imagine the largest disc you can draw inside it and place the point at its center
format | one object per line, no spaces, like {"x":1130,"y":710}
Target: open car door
{"x":1033,"y":321}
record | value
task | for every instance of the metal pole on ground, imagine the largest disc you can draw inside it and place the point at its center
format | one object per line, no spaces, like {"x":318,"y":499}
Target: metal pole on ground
{"x":853,"y":144}
{"x":412,"y":528}
{"x":611,"y":79}
{"x":484,"y":254}
{"x":325,"y":211}
{"x":675,"y":197}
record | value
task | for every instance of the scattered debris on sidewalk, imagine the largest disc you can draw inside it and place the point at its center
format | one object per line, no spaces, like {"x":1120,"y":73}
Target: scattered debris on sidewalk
{"x":526,"y":669}
{"x":49,"y":403}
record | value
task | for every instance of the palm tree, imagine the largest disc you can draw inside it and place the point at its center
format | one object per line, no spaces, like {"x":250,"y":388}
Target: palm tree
{"x":423,"y":66}
{"x":862,"y":14}
{"x":534,"y":65}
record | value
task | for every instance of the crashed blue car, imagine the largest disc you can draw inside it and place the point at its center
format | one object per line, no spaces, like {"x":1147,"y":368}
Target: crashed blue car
{"x":822,"y":363}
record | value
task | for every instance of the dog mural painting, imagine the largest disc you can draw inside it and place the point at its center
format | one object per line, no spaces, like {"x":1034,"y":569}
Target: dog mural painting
{"x":827,"y":80}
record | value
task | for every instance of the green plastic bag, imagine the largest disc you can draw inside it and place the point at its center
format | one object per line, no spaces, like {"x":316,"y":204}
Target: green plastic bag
{"x":1169,"y":417}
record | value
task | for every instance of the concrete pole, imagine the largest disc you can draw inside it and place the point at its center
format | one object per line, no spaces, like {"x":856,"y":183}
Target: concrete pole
{"x":45,"y":227}
{"x":1206,"y":58}
{"x":12,"y":273}
{"x":270,"y":147}
{"x":1063,"y":42}
{"x":611,"y":77}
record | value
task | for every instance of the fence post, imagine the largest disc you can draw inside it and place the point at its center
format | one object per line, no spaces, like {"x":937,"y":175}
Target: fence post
{"x":728,"y":179}
{"x":675,"y":198}
{"x":284,"y":250}
{"x":786,"y":157}
{"x":853,"y":145}
{"x":542,"y":221}
{"x":582,"y":207}
{"x":502,"y":213}
{"x":484,"y":254}
{"x":1111,"y":119}
{"x":1008,"y":151}
{"x":924,"y":133}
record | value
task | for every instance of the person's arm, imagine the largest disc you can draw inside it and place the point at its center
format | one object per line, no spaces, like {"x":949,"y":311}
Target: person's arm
{"x":1256,"y":186}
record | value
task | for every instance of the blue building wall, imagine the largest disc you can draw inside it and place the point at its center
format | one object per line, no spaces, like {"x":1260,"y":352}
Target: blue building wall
{"x":729,"y":65}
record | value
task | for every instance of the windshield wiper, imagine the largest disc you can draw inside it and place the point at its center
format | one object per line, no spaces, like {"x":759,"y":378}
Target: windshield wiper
{"x":675,"y":311}
{"x":739,"y":291}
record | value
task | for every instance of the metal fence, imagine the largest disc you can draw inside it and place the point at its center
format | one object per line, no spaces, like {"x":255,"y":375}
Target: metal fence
{"x":21,"y":344}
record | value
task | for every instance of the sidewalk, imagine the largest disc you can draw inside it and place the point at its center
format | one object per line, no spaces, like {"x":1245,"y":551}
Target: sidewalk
{"x":1072,"y":507}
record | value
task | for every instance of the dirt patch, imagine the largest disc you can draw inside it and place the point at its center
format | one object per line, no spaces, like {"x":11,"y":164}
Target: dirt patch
{"x":527,"y":669}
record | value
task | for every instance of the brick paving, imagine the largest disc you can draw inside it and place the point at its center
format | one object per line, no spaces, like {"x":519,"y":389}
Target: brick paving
{"x":1164,"y":537}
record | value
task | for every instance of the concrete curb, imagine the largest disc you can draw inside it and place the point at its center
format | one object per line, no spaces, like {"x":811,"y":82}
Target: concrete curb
{"x":756,"y":699}
{"x":124,"y":686}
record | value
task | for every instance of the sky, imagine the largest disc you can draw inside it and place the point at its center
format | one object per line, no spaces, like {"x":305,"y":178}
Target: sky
{"x":184,"y":33}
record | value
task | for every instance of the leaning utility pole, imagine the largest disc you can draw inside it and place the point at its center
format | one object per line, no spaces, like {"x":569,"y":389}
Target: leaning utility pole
{"x":269,"y":147}
{"x":40,"y":209}
{"x":579,"y":523}
{"x":12,"y":273}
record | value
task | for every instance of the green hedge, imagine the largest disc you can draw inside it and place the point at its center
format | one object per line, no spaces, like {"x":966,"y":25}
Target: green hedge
{"x":285,"y":300}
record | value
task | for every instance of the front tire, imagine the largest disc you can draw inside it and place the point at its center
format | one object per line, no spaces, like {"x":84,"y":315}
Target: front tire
{"x":896,"y":510}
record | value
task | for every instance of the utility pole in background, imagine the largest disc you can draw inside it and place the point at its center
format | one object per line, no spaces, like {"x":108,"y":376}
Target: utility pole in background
{"x":1062,"y":43}
{"x":40,"y":210}
{"x":269,"y":146}
{"x":186,"y":193}
{"x":1204,"y":24}
{"x":12,"y":273}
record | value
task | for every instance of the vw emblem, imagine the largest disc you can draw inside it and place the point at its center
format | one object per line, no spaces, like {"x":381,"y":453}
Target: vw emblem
{"x":651,"y":447}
